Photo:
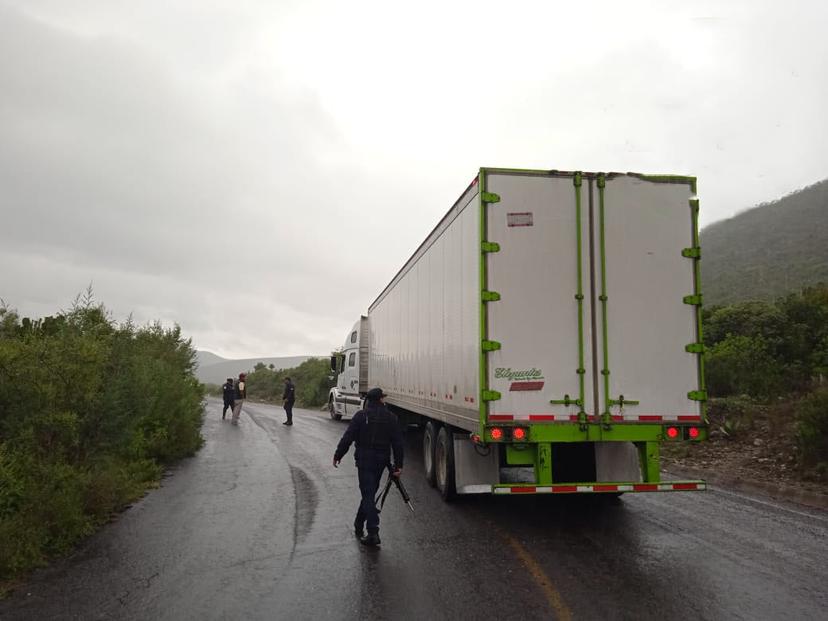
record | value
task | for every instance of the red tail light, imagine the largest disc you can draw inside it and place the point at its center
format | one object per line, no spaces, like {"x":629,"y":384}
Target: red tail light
{"x":518,"y":433}
{"x":672,"y":432}
{"x":497,"y":433}
{"x":693,"y":432}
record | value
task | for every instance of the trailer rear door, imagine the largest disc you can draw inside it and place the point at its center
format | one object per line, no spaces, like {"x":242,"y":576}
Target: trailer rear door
{"x":542,"y":317}
{"x":646,"y":309}
{"x":592,"y":313}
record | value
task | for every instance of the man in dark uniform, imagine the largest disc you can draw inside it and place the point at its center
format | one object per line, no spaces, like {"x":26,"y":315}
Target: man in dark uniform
{"x":375,"y":431}
{"x":288,"y":397}
{"x":229,"y":395}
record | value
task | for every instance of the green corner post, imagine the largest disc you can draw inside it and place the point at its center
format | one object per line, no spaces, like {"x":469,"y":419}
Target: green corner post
{"x":481,"y":187}
{"x":697,"y":290}
{"x":577,"y":180}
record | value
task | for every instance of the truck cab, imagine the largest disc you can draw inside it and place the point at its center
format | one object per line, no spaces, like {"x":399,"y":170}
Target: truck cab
{"x":349,"y":366}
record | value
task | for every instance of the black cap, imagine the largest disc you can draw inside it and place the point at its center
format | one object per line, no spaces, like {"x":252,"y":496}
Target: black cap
{"x":375,"y":394}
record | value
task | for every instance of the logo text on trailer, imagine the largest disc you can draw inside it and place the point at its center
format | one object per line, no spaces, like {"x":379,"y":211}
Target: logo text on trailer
{"x":518,"y":374}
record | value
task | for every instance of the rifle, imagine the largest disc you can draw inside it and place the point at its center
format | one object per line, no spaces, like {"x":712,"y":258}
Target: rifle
{"x":384,"y":494}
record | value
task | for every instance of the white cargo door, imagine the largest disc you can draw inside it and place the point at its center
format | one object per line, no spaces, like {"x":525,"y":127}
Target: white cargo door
{"x":541,"y":320}
{"x":644,"y":278}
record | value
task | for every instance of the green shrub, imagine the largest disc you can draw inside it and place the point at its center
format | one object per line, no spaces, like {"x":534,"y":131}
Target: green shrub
{"x":733,"y":415}
{"x":742,"y":365}
{"x":89,"y":413}
{"x":812,"y":429}
{"x":310,"y":378}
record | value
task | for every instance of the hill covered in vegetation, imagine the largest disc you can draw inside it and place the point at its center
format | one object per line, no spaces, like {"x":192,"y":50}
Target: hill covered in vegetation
{"x":768,"y":251}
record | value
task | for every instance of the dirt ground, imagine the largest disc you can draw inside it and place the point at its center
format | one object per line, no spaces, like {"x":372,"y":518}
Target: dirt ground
{"x":757,"y":447}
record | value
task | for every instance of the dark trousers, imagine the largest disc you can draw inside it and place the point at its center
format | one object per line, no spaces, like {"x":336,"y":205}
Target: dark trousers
{"x":227,"y":406}
{"x":369,"y":480}
{"x":289,"y":411}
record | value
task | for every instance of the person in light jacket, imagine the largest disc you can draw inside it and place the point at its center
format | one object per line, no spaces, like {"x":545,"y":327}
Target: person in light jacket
{"x":240,"y":394}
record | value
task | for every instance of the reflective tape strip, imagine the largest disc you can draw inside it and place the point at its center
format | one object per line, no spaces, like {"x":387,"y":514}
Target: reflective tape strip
{"x":687,"y":418}
{"x":475,"y":489}
{"x":572,"y":418}
{"x":497,"y":417}
{"x":603,"y":488}
{"x":547,"y":417}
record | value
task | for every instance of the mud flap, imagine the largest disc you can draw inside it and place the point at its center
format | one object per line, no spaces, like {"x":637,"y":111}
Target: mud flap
{"x":617,"y":461}
{"x":474,"y":472}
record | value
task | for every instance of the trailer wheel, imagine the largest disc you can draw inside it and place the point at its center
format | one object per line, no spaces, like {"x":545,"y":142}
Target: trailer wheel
{"x":429,"y":440}
{"x":332,"y":410}
{"x":444,"y":464}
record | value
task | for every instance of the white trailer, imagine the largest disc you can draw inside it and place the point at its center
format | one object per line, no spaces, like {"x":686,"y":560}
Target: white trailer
{"x":547,"y":334}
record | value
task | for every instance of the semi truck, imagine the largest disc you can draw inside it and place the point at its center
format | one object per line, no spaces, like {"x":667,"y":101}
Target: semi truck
{"x":546,"y":335}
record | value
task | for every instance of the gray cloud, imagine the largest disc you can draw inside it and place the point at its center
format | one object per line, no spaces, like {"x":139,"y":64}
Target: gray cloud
{"x":257,"y":172}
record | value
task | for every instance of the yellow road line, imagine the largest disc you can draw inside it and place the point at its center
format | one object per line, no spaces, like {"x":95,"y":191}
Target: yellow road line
{"x":562,"y":612}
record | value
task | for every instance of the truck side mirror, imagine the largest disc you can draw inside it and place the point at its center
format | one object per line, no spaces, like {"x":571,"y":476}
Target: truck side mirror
{"x":333,"y":364}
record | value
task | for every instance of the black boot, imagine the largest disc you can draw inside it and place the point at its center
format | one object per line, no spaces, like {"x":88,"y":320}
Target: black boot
{"x":371,"y":539}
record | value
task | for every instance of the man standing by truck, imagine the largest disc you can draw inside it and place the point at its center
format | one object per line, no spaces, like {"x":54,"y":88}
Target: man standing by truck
{"x":376,"y":432}
{"x":288,"y":398}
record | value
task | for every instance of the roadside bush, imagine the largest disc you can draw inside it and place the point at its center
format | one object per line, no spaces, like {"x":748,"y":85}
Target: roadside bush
{"x":812,"y":430}
{"x":739,"y":365}
{"x":90,"y":411}
{"x":310,"y":378}
{"x":732,"y":416}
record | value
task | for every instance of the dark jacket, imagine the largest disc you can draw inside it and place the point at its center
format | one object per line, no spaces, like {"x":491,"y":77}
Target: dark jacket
{"x":229,"y":392}
{"x":290,"y":393}
{"x":375,"y":431}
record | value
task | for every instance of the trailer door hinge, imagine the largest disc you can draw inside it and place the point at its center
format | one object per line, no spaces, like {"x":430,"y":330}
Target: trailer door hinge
{"x":490,"y":197}
{"x":490,"y":247}
{"x":576,"y":180}
{"x":693,"y":300}
{"x":692,"y":253}
{"x":697,"y":395}
{"x":622,"y":401}
{"x":491,"y":345}
{"x":694,"y":348}
{"x":490,"y":395}
{"x":566,"y":401}
{"x":491,"y":296}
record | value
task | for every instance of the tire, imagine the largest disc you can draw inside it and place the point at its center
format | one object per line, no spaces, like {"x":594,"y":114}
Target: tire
{"x":444,"y":464}
{"x":332,"y":410}
{"x":429,"y":442}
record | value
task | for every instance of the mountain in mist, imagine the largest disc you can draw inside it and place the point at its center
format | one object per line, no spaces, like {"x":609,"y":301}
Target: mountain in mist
{"x":214,"y":369}
{"x":771,"y":250}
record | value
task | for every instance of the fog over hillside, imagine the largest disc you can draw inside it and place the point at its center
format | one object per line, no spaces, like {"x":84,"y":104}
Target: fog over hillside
{"x":768,"y":251}
{"x":214,"y":369}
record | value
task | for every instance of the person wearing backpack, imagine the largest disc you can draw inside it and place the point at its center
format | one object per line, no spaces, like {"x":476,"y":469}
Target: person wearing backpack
{"x":240,"y":394}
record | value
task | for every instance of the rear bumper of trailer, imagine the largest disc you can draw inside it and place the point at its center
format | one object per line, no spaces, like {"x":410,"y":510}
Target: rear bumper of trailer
{"x":600,"y":488}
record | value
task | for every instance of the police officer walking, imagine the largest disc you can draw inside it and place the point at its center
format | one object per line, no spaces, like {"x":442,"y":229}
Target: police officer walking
{"x":375,"y":431}
{"x":288,"y":399}
{"x":229,"y":395}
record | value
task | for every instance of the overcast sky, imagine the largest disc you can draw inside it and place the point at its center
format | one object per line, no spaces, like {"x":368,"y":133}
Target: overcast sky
{"x":257,"y":171}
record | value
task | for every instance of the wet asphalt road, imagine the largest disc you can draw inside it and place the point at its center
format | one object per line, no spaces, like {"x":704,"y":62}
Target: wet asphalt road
{"x":259,"y":526}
